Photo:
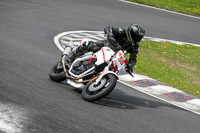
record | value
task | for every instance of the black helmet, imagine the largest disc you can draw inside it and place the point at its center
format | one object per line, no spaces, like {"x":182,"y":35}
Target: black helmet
{"x":135,"y":33}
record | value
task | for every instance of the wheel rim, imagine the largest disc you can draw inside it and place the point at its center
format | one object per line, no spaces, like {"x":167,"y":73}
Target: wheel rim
{"x":94,"y":87}
{"x":103,"y":84}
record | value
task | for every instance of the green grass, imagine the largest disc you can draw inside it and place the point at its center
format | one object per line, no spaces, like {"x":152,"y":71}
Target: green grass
{"x":175,"y":65}
{"x":191,"y":7}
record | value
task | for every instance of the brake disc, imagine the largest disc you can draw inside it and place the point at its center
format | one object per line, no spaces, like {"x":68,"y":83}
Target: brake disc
{"x":94,"y":87}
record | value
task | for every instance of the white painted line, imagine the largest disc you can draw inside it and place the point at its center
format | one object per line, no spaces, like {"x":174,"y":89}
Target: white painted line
{"x":57,"y":37}
{"x":137,"y":77}
{"x":159,"y":9}
{"x":161,"y":89}
{"x":173,"y":103}
{"x":11,"y":118}
{"x":195,"y":102}
{"x":170,"y":41}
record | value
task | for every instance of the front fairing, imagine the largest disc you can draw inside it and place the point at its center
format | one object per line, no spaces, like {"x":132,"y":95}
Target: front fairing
{"x":104,"y":55}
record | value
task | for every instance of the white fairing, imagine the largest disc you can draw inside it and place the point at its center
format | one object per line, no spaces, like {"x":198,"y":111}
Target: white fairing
{"x":104,"y":55}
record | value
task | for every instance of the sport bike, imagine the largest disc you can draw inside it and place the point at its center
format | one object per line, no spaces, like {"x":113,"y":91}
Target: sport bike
{"x":95,"y":75}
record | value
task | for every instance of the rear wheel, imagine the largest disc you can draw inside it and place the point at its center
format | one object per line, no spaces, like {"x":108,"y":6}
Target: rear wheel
{"x":57,"y":73}
{"x":93,"y":92}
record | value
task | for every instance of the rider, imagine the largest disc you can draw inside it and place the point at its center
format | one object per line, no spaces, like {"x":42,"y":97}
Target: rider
{"x":116,"y":39}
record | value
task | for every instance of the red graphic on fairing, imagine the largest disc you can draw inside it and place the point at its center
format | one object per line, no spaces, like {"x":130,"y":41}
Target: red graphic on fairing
{"x":121,"y":60}
{"x":103,"y":55}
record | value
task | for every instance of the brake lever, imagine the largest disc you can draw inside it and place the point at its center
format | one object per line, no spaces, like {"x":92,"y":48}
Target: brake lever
{"x":131,"y":74}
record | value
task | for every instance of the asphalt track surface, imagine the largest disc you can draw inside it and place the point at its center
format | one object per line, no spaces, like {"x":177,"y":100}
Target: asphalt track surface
{"x":27,"y":52}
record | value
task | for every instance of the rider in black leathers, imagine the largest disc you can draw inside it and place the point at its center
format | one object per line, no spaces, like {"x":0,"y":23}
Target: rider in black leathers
{"x":116,"y":39}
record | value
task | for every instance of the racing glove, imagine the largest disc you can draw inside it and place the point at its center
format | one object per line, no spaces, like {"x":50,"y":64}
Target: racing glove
{"x":129,"y":68}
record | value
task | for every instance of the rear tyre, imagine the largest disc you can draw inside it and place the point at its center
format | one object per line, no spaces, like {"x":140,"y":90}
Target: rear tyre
{"x":57,"y":73}
{"x":93,"y":92}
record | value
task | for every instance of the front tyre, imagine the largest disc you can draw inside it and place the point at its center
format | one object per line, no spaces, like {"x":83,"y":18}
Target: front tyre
{"x":57,"y":73}
{"x":92,"y":92}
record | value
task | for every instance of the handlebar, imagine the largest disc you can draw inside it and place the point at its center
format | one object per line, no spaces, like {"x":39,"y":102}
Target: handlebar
{"x":131,"y":74}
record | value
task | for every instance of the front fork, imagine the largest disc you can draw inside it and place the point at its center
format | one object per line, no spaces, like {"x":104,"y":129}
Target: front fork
{"x":104,"y":72}
{"x":64,"y":65}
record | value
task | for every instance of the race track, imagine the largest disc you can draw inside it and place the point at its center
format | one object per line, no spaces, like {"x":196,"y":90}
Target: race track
{"x":31,"y":103}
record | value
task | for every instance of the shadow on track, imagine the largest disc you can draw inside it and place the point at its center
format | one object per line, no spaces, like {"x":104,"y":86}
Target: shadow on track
{"x":119,"y":99}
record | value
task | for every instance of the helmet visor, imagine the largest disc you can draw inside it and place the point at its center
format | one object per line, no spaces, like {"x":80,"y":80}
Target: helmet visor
{"x":135,"y":37}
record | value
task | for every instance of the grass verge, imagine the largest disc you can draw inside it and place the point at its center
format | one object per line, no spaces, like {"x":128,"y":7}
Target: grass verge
{"x":175,"y":65}
{"x":191,"y":7}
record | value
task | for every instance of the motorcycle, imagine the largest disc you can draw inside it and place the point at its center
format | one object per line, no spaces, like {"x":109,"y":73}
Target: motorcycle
{"x":94,"y":74}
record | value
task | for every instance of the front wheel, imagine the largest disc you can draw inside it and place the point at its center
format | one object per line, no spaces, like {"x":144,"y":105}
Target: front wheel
{"x":93,"y":92}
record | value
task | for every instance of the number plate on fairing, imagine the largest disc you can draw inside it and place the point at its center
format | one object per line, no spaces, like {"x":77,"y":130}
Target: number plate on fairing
{"x":120,"y":60}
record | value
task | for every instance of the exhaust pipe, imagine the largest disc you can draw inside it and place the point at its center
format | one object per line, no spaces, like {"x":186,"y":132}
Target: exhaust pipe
{"x":76,"y":85}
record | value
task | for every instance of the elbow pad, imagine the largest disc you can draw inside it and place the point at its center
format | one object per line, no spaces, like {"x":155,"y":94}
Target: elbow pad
{"x":108,"y":32}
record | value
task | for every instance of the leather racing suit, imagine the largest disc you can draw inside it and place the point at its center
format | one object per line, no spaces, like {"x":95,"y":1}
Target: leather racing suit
{"x":116,"y":39}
